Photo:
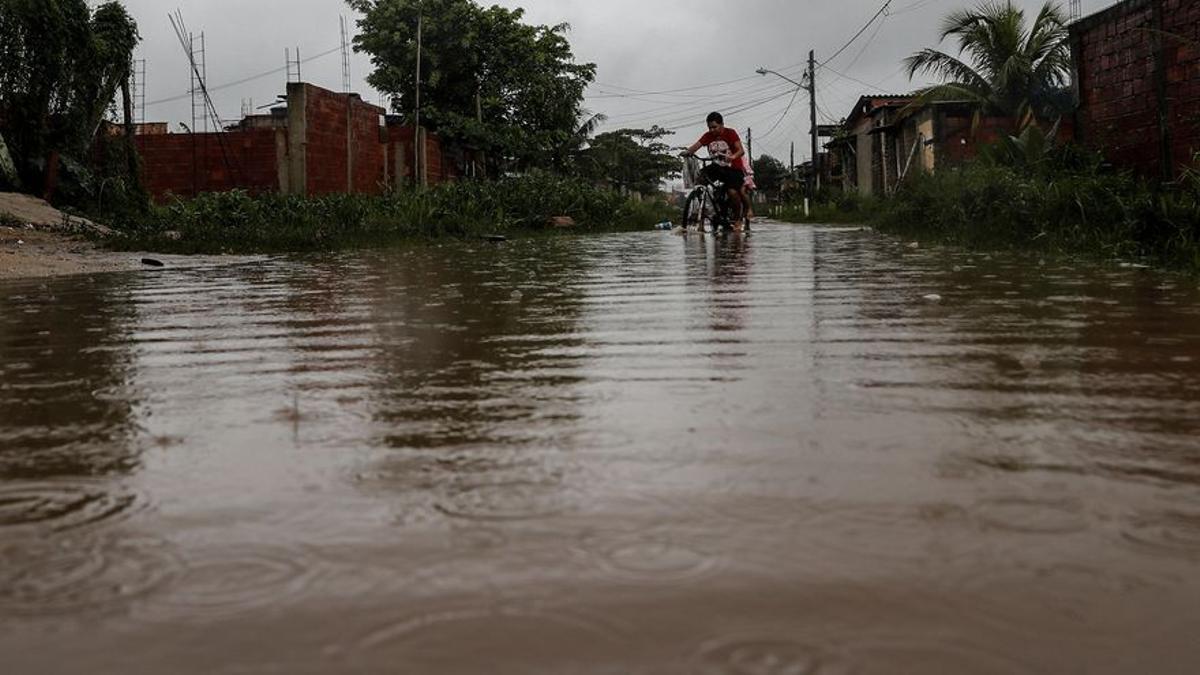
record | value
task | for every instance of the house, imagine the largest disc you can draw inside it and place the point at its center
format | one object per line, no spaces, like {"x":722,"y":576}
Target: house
{"x":888,"y":137}
{"x":1137,"y":79}
{"x":858,"y":153}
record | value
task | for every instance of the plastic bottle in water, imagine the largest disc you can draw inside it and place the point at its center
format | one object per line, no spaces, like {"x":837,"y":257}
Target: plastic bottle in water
{"x":664,"y":225}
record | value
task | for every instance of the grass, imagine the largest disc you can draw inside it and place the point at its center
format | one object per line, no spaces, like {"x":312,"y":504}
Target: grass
{"x":829,"y":208}
{"x":238,"y":222}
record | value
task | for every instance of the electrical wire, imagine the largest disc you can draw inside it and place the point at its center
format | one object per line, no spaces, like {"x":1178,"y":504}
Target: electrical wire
{"x":857,"y":35}
{"x":242,"y":81}
{"x":783,"y":116}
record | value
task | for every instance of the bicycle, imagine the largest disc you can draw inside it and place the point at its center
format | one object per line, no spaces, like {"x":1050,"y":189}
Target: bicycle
{"x":707,"y":208}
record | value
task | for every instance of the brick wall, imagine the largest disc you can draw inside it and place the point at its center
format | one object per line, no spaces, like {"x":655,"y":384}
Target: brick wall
{"x":959,"y":138}
{"x":1181,"y":23}
{"x":441,"y":164}
{"x":343,"y":146}
{"x":244,"y":159}
{"x":1134,"y":61}
{"x":325,"y":143}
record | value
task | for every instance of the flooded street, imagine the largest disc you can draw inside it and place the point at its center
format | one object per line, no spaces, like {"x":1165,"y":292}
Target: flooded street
{"x":805,"y":452}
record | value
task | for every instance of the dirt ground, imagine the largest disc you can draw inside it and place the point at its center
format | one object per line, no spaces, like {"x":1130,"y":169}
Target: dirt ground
{"x":38,"y":253}
{"x":37,"y":240}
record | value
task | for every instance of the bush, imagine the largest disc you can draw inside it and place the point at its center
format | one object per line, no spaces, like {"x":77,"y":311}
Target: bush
{"x":831,"y":206}
{"x":238,"y":221}
{"x":984,"y":205}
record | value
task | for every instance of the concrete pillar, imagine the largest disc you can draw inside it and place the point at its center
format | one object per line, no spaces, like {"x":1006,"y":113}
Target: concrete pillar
{"x":297,"y":134}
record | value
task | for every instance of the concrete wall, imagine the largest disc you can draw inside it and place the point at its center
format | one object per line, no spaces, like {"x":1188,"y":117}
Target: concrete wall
{"x":1138,"y":82}
{"x":864,"y":153}
{"x":437,"y":163}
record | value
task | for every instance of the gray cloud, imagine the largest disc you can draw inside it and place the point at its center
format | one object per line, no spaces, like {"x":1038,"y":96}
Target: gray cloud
{"x":639,"y":45}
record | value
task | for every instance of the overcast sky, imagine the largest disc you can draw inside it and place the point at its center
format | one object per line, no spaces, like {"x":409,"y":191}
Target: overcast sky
{"x":709,"y":49}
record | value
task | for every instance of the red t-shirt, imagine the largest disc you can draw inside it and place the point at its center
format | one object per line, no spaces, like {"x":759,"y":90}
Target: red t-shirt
{"x":721,"y":144}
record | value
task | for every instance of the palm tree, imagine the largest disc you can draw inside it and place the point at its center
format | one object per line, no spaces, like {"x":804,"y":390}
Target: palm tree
{"x":1003,"y":65}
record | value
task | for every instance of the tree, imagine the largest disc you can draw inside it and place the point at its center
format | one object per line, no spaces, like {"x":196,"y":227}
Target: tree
{"x":511,"y":89}
{"x":630,"y":160}
{"x":769,"y":174}
{"x":60,"y":68}
{"x":1014,"y":69}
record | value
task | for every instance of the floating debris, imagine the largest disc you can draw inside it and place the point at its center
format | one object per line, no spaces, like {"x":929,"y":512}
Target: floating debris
{"x":151,"y":262}
{"x":496,"y":238}
{"x":932,"y":297}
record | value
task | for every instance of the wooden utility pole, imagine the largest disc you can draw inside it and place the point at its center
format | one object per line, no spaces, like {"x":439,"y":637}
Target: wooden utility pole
{"x":417,"y":139}
{"x":814,"y":183}
{"x":749,"y":147}
{"x":792,"y":163}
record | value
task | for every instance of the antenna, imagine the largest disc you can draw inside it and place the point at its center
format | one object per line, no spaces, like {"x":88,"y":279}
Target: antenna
{"x":188,"y":43}
{"x":199,"y":75}
{"x":293,"y":65}
{"x":247,"y":107}
{"x":346,"y":82}
{"x":1076,"y":10}
{"x":137,"y":90}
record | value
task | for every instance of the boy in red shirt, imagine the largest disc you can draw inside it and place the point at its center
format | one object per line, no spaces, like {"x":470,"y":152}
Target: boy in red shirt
{"x":725,"y":146}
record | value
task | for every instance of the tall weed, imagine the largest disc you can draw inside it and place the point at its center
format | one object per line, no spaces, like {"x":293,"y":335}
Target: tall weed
{"x":238,"y":221}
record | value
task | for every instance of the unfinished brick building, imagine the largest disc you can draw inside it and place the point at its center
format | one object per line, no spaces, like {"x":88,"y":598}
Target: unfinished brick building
{"x":1138,"y":81}
{"x":320,"y":142}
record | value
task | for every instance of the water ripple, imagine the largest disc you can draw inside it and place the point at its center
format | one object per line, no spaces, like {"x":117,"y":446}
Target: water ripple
{"x":64,"y":576}
{"x":502,"y":640}
{"x":65,"y":505}
{"x":222,"y":581}
{"x":1170,"y":531}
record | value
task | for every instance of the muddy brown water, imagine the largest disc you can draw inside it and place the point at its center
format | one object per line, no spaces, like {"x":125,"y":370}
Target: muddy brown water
{"x":617,"y":454}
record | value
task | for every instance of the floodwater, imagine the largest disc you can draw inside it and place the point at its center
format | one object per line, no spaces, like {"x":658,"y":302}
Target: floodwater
{"x":617,"y":454}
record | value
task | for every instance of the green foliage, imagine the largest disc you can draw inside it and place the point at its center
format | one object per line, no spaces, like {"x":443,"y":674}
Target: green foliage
{"x":528,"y":85}
{"x":629,"y":160}
{"x":769,"y":174}
{"x":1036,"y":152}
{"x":984,"y":205}
{"x":237,"y":221}
{"x":831,"y":206}
{"x":1011,"y":68}
{"x":60,"y":68}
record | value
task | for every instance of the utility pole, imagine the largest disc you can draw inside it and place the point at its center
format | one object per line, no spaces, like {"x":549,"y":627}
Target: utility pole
{"x":417,"y":140}
{"x":749,"y":147}
{"x":792,"y":164}
{"x":813,"y":184}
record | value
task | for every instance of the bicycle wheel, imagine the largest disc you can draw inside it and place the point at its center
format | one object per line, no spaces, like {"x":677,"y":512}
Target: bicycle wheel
{"x":697,"y":210}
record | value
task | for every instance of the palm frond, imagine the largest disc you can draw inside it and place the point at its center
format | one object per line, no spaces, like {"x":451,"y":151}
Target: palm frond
{"x":589,"y":126}
{"x":943,"y":66}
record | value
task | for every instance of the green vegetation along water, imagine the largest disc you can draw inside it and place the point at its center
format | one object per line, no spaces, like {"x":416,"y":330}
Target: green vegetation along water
{"x":241,"y":223}
{"x":986,"y":206}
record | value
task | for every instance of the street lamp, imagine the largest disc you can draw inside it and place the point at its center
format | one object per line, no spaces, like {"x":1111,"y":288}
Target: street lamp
{"x":765,"y":71}
{"x":810,"y":86}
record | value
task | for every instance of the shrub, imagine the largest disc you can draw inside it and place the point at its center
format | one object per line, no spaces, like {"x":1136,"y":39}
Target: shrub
{"x":238,"y":221}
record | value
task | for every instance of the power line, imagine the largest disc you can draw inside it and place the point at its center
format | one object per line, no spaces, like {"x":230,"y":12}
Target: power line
{"x":783,"y":116}
{"x":857,"y":35}
{"x":719,"y":102}
{"x":245,"y":80}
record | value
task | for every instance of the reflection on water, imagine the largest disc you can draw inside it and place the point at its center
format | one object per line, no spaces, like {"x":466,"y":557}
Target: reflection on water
{"x":622,"y":454}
